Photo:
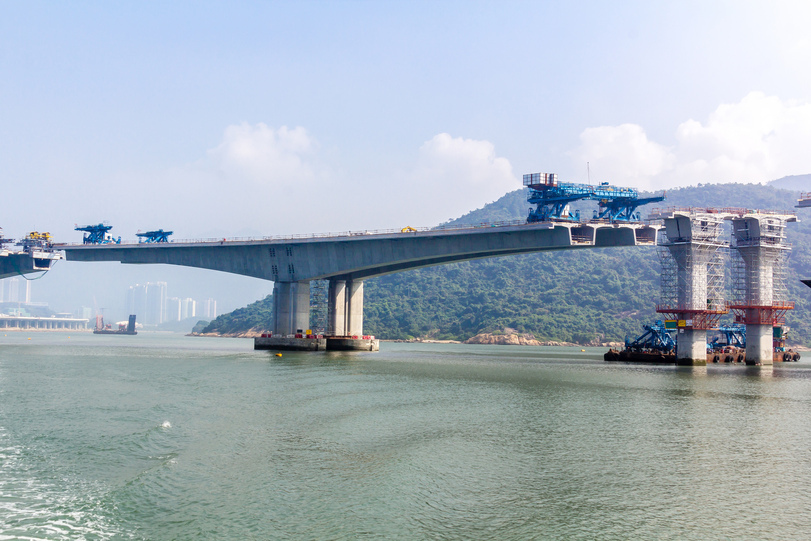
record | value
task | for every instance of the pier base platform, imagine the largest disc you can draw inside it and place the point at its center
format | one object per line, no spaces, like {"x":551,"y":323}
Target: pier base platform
{"x":330,"y":343}
{"x":352,"y":344}
{"x":290,"y":344}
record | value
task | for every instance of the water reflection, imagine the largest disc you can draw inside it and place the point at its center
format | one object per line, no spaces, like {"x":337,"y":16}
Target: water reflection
{"x":697,"y":371}
{"x":763,"y":371}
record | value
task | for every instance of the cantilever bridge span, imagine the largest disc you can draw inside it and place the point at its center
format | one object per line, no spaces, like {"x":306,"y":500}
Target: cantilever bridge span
{"x":347,"y":259}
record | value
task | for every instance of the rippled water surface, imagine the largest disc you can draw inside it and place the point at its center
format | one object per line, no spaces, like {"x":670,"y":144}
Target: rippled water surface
{"x":169,"y":437}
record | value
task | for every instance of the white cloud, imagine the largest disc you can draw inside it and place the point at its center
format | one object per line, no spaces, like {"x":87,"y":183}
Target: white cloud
{"x":454,"y":175}
{"x":260,"y":180}
{"x":757,"y":139}
{"x":265,"y":156}
{"x":622,"y":155}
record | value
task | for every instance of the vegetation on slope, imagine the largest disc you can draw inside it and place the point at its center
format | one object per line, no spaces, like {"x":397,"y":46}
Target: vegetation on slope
{"x":257,"y":315}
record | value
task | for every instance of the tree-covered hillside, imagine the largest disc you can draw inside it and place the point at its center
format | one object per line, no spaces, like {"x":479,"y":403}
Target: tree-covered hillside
{"x":257,"y":315}
{"x":579,"y":296}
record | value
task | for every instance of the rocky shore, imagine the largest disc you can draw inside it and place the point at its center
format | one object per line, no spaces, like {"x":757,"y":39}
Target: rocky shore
{"x":250,"y":333}
{"x":510,"y":337}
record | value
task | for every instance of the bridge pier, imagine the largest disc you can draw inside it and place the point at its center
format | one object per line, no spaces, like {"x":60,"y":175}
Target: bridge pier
{"x":345,"y":307}
{"x":692,"y":280}
{"x":692,"y":347}
{"x":291,"y":303}
{"x":759,"y":344}
{"x":759,"y":239}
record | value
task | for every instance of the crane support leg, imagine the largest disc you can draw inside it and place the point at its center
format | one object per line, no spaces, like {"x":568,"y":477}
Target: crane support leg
{"x":692,"y":348}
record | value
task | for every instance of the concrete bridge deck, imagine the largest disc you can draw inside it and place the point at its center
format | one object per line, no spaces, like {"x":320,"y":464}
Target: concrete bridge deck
{"x":349,"y":258}
{"x":20,"y":263}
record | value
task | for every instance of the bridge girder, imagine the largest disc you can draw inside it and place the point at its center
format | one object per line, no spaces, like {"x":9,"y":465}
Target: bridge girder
{"x":350,"y":259}
{"x":364,"y":256}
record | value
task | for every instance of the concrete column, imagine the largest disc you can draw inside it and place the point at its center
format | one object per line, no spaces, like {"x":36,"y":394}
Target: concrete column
{"x":759,"y":346}
{"x":691,"y":348}
{"x":291,"y":304}
{"x":336,"y":307}
{"x":354,"y":310}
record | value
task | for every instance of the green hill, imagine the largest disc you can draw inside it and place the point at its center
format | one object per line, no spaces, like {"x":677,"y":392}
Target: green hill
{"x":583,"y":296}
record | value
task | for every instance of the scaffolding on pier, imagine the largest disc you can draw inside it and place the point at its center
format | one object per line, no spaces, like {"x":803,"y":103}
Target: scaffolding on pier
{"x":760,"y":261}
{"x":693,"y":256}
{"x":318,"y":306}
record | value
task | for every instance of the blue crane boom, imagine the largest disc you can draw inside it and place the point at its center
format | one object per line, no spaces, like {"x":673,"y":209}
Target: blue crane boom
{"x":552,"y":198}
{"x":154,"y":236}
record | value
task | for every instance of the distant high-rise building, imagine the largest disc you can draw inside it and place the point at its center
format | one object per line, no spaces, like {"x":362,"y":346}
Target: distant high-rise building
{"x":188,"y":308}
{"x":136,"y":301}
{"x":173,"y":313}
{"x":207,"y":308}
{"x":148,"y":302}
{"x":15,"y":290}
{"x":155,"y":303}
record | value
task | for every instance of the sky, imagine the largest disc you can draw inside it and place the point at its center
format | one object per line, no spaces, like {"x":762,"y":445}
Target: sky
{"x":233,"y":119}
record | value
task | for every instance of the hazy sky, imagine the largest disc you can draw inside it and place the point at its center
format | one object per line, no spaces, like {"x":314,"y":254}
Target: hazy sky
{"x":263,"y":118}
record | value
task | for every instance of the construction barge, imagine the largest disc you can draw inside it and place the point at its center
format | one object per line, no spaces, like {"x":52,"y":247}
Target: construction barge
{"x":128,"y":328}
{"x":657,"y":346}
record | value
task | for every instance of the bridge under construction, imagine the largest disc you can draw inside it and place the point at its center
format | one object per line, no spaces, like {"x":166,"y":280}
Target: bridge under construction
{"x":692,"y":249}
{"x":345,"y":260}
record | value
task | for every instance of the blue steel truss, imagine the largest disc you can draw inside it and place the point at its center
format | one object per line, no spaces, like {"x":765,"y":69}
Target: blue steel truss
{"x":97,"y":234}
{"x":734,"y":335}
{"x":552,"y":199}
{"x":655,"y":338}
{"x":154,"y":236}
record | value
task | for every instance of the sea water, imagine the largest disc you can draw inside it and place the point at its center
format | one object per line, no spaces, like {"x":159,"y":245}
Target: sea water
{"x":160,"y":436}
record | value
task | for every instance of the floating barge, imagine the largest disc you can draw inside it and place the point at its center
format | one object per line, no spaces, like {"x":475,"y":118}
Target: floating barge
{"x":640,"y":356}
{"x":101,"y":328}
{"x":657,"y":346}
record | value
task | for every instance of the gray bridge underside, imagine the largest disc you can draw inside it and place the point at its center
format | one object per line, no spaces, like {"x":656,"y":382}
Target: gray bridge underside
{"x":20,"y":263}
{"x":348,"y":260}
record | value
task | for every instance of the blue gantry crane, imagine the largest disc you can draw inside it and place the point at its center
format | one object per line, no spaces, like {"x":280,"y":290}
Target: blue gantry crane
{"x":154,"y":236}
{"x":655,"y":338}
{"x":734,"y":335}
{"x":552,"y":199}
{"x":97,"y":234}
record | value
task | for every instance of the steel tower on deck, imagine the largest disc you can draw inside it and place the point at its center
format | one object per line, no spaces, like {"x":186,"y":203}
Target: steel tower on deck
{"x":97,"y":234}
{"x":552,"y":199}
